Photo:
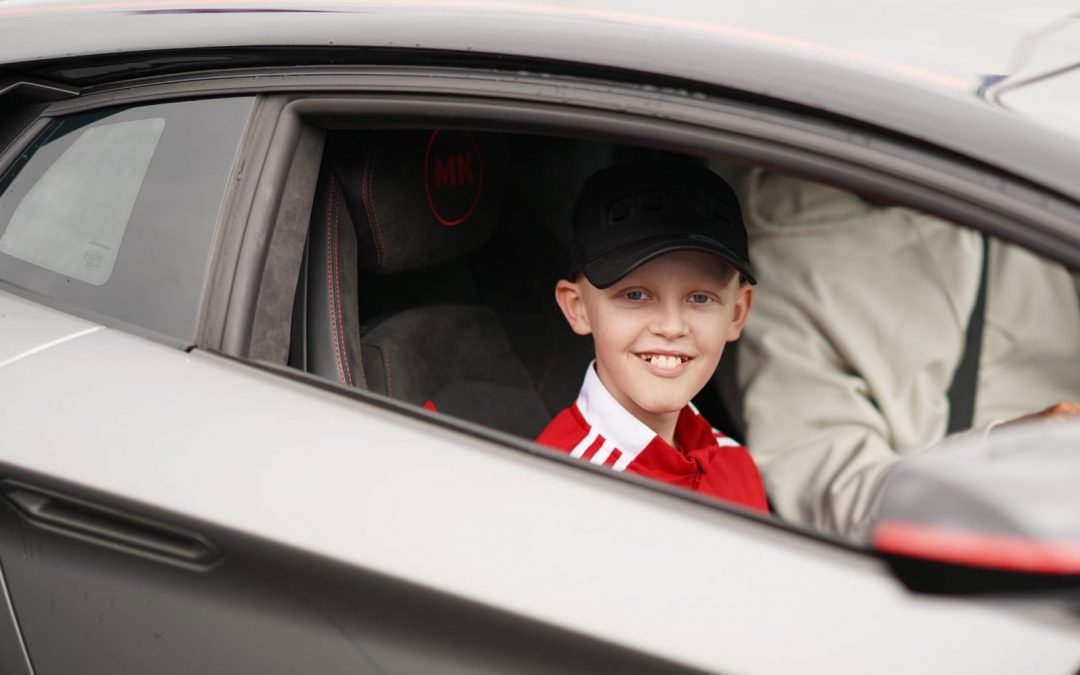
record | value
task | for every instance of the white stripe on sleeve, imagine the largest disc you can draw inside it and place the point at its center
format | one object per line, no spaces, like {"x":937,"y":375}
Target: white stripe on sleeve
{"x":623,"y":462}
{"x":602,"y":453}
{"x":581,"y":447}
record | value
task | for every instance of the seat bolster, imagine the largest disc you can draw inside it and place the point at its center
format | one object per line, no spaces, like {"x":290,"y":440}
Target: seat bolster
{"x":332,"y":309}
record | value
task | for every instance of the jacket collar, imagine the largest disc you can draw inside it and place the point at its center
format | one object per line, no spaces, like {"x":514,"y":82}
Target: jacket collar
{"x":608,"y":417}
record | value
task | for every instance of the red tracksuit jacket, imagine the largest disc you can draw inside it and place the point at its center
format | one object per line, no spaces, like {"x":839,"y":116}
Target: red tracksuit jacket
{"x":599,"y":430}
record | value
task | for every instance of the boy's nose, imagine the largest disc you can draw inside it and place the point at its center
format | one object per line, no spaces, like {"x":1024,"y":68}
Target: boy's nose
{"x":668,"y":321}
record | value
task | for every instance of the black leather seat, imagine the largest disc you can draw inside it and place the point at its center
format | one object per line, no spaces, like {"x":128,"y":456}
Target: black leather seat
{"x":395,"y":214}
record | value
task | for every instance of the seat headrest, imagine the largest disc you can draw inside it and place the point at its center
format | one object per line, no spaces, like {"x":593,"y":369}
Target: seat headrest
{"x":419,"y":197}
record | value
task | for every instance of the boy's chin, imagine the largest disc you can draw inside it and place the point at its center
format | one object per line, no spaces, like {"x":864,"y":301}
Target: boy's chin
{"x":662,"y":405}
{"x":664,"y":397}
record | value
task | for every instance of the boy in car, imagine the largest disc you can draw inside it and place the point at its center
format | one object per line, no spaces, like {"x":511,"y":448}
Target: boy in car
{"x":661,"y":278}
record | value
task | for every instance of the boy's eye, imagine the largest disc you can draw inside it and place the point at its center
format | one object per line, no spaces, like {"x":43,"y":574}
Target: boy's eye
{"x":635,"y":295}
{"x":700,"y":299}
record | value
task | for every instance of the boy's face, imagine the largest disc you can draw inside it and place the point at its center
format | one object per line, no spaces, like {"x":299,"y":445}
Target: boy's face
{"x":659,"y":331}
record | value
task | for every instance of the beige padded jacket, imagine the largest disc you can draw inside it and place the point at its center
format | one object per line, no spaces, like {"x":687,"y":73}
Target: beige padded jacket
{"x":856,"y":330}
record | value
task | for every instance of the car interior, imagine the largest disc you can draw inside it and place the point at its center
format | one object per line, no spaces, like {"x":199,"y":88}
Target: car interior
{"x":438,"y":290}
{"x":429,"y":269}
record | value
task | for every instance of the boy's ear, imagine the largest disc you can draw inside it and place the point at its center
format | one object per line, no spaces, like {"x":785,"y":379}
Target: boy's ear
{"x":572,"y":304}
{"x":744,"y":299}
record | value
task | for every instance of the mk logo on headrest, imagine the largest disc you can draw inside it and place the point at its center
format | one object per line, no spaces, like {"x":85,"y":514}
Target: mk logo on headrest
{"x":454,"y":171}
{"x":453,"y":176}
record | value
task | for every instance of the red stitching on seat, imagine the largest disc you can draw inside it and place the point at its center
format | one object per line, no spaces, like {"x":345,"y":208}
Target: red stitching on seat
{"x":367,"y":189}
{"x":386,"y":365}
{"x":331,"y":229}
{"x":340,"y":315}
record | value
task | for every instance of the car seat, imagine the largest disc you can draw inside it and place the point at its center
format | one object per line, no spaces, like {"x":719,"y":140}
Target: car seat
{"x":388,"y":302}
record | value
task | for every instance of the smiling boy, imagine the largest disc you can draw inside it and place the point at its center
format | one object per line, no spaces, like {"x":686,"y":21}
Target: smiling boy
{"x":661,"y":278}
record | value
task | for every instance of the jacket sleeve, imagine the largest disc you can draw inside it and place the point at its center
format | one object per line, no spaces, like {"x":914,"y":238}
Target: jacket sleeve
{"x":856,"y":330}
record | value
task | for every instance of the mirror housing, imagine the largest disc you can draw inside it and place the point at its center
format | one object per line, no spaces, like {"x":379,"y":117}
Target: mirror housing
{"x":986,"y":512}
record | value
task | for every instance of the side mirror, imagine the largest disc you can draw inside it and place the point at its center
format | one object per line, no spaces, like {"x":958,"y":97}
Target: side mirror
{"x":999,"y":512}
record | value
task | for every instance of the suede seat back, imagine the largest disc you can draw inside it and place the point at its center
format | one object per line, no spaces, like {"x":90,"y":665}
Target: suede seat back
{"x":389,"y":206}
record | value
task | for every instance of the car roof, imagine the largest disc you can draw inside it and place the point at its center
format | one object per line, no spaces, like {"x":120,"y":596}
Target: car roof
{"x":919,"y":68}
{"x":953,"y":45}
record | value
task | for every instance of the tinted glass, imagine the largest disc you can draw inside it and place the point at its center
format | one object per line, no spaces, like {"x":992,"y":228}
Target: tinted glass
{"x":116,"y":211}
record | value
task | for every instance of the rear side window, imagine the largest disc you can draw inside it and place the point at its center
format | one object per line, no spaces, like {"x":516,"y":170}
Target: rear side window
{"x":116,"y":211}
{"x":74,"y":217}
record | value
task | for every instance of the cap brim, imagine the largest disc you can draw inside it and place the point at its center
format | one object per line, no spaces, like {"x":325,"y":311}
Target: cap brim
{"x":616,"y":264}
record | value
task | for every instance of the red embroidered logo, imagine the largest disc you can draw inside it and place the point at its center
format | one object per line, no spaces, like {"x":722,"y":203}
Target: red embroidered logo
{"x":456,"y":171}
{"x":453,"y":176}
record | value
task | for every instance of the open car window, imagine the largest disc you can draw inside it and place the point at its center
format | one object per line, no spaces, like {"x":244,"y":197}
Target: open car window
{"x":432,"y":255}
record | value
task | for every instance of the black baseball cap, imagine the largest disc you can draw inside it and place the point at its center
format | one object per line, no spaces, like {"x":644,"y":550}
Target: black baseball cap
{"x":629,"y":214}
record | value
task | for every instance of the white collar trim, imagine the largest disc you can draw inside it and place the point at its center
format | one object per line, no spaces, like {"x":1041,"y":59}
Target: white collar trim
{"x":608,"y":417}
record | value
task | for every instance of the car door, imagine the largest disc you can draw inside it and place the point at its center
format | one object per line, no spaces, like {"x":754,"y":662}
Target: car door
{"x":170,"y":509}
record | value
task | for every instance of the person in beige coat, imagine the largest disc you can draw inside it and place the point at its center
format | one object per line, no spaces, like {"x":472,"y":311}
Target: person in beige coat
{"x":858,"y":327}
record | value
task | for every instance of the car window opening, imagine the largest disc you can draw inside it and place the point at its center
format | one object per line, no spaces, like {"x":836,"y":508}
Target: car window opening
{"x":432,"y":258}
{"x":456,"y":265}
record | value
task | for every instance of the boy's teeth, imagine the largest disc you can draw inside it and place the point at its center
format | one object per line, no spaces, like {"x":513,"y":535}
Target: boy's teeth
{"x":665,"y":362}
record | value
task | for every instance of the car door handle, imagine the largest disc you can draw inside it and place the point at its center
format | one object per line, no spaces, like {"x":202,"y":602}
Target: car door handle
{"x":110,"y":527}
